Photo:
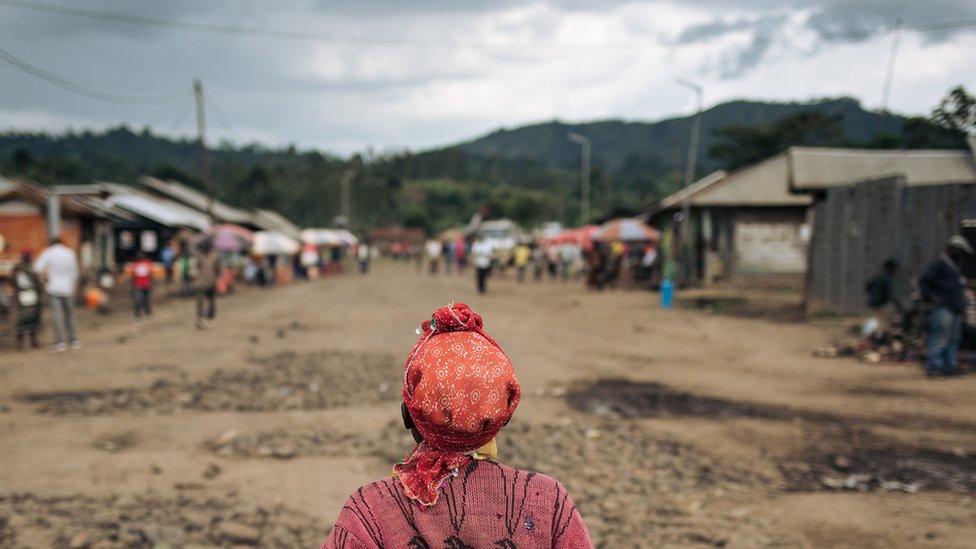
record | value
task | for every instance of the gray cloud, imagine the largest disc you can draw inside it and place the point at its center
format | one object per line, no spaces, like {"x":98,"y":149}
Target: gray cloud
{"x":735,"y":62}
{"x":349,"y":95}
{"x":830,"y":20}
{"x":846,"y":21}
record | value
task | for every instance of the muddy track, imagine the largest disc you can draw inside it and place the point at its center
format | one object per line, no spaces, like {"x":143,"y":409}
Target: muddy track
{"x":151,"y":520}
{"x":284,"y":381}
{"x":623,"y":398}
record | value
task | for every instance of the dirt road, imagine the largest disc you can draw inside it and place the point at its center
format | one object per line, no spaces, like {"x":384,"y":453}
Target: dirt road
{"x":668,"y":427}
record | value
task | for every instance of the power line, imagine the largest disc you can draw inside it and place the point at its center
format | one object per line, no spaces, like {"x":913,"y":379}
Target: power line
{"x":221,"y":119}
{"x":168,"y":112}
{"x":922,"y":27}
{"x":215,"y":28}
{"x":79,"y":89}
{"x":288,"y":34}
{"x":178,"y":121}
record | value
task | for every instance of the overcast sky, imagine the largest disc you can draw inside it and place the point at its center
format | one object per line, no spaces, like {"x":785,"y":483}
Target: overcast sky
{"x":420,"y":73}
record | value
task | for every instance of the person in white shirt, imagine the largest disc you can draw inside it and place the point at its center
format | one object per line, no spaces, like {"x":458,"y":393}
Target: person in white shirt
{"x":481,"y":252}
{"x":363,"y":254}
{"x":434,"y":249}
{"x":58,"y":267}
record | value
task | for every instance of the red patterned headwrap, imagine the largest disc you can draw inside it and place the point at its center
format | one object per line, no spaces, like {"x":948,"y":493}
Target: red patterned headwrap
{"x":460,"y":389}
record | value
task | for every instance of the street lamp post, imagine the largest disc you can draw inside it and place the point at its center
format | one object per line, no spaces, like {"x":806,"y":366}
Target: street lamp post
{"x":585,"y":143}
{"x":690,"y":166}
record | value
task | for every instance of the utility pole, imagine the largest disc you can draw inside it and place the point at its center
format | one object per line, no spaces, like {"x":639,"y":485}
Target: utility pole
{"x":53,"y":214}
{"x":886,"y":91}
{"x":586,"y":144}
{"x":202,"y":138}
{"x":689,"y":174}
{"x":562,"y":201}
{"x":345,"y":196}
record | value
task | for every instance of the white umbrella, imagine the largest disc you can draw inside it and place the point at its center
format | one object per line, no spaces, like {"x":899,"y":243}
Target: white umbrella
{"x":346,"y":237}
{"x":274,"y":243}
{"x":329,"y":237}
{"x":321,"y":237}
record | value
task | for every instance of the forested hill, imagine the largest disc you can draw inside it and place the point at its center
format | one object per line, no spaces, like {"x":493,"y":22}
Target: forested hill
{"x":615,"y":142}
{"x":528,"y":173}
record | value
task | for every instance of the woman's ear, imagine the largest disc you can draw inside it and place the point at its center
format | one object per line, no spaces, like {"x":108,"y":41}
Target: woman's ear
{"x":407,"y":420}
{"x":409,"y":425}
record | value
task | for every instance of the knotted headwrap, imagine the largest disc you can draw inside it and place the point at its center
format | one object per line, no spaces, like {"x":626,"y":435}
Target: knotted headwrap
{"x":460,"y":389}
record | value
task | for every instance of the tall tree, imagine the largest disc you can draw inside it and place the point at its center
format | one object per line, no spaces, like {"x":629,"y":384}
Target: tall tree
{"x":956,"y":111}
{"x":738,"y":145}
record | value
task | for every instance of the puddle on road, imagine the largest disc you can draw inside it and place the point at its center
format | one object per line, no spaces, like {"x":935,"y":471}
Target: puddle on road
{"x":776,"y":310}
{"x":637,"y":399}
{"x":285,"y":381}
{"x":902,"y":469}
{"x":835,"y":457}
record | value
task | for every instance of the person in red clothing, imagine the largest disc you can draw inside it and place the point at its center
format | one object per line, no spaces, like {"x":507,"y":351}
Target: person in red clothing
{"x":142,"y":278}
{"x":459,"y":391}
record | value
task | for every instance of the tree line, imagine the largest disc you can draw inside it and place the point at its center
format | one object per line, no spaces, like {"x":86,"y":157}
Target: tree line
{"x":441,"y":188}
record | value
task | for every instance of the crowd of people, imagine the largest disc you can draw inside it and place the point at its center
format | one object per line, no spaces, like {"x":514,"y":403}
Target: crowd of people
{"x":599,"y":264}
{"x":189,"y":268}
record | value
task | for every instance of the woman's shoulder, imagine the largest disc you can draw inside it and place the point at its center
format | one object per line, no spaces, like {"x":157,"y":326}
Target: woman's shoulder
{"x":381,"y":489}
{"x":482,"y":472}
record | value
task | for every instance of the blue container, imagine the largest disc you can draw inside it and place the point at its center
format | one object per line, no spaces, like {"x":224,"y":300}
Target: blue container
{"x":667,"y":293}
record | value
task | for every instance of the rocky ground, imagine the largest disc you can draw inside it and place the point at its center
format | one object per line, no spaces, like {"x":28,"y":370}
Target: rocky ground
{"x":669,"y":428}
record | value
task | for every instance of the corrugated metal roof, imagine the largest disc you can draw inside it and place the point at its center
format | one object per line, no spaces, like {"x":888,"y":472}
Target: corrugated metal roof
{"x":762,"y":184}
{"x":813,"y":168}
{"x":197,"y":200}
{"x":274,"y":221}
{"x":160,"y":210}
{"x":125,"y":201}
{"x":38,"y":194}
{"x":674,"y":200}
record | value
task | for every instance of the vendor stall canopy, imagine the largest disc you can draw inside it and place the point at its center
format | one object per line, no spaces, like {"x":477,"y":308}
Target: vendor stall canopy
{"x":626,"y":230}
{"x":329,"y":237}
{"x":274,"y":243}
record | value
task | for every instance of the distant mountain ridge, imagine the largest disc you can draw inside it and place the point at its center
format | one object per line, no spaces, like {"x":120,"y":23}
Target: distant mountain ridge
{"x":529,"y":173}
{"x":615,"y":140}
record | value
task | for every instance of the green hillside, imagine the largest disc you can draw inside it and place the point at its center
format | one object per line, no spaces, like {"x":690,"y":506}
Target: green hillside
{"x":528,"y":173}
{"x":615,"y":142}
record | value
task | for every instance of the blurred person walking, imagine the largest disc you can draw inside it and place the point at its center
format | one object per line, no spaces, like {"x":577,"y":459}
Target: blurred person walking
{"x":461,"y":254}
{"x":596,"y":267}
{"x":481,"y":257}
{"x":206,"y":284}
{"x":553,"y":256}
{"x":943,"y":288}
{"x":538,"y":262}
{"x":362,"y":254}
{"x":168,"y":256}
{"x":522,"y":256}
{"x":27,"y":301}
{"x":142,"y":279}
{"x":434,"y":250}
{"x":567,"y":256}
{"x":447,"y":251}
{"x":451,"y":490}
{"x":615,"y":263}
{"x":186,"y":269}
{"x":880,"y":294}
{"x":649,"y":266}
{"x":58,"y":267}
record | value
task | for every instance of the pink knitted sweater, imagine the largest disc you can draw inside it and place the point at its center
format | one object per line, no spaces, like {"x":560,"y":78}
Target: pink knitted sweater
{"x":485,"y":505}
